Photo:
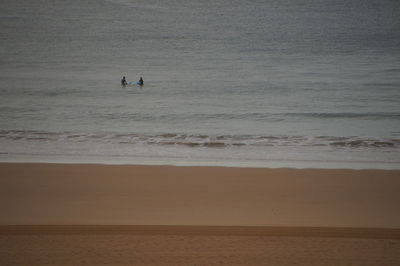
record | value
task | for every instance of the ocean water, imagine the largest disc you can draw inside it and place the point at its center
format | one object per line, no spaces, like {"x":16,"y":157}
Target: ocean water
{"x":260,"y":83}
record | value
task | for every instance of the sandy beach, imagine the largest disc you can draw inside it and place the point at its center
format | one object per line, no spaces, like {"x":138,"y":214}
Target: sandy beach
{"x":79,"y":214}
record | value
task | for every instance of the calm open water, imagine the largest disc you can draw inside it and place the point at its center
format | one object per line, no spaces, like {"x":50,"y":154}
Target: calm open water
{"x":268,"y":83}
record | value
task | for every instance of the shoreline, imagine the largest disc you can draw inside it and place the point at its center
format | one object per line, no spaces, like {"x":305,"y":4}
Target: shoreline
{"x":300,"y":165}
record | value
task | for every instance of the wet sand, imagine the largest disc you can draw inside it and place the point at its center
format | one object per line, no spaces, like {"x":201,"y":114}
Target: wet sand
{"x":79,"y":214}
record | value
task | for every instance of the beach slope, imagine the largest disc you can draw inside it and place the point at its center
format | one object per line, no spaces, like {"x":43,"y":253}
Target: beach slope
{"x":80,"y":214}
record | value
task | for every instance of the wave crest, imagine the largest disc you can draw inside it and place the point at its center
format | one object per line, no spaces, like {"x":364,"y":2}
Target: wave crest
{"x":206,"y":141}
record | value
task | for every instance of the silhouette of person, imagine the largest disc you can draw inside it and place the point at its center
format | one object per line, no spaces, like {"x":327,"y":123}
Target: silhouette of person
{"x":141,"y":82}
{"x":123,"y":81}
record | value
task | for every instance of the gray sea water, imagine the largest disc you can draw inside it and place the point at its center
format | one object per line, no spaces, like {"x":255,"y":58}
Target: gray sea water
{"x":265,"y":83}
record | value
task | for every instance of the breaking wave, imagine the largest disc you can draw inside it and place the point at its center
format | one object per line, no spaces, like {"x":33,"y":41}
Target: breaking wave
{"x":208,"y":141}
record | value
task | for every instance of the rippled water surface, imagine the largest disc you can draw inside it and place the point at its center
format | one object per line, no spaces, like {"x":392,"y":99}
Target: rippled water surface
{"x":247,"y":83}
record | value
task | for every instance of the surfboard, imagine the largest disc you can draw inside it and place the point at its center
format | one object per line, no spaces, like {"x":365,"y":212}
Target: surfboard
{"x":134,"y":83}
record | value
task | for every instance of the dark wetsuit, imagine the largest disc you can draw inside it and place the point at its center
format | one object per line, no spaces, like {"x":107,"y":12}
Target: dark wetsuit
{"x":123,"y":82}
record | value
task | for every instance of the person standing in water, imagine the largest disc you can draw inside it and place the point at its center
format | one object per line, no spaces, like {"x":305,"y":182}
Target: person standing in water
{"x":123,"y":81}
{"x":141,"y":82}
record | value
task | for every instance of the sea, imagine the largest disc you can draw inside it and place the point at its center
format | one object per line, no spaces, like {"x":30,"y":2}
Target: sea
{"x":249,"y":83}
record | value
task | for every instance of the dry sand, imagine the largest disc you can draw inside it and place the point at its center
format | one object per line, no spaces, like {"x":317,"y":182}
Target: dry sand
{"x":132,"y":215}
{"x":197,"y":245}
